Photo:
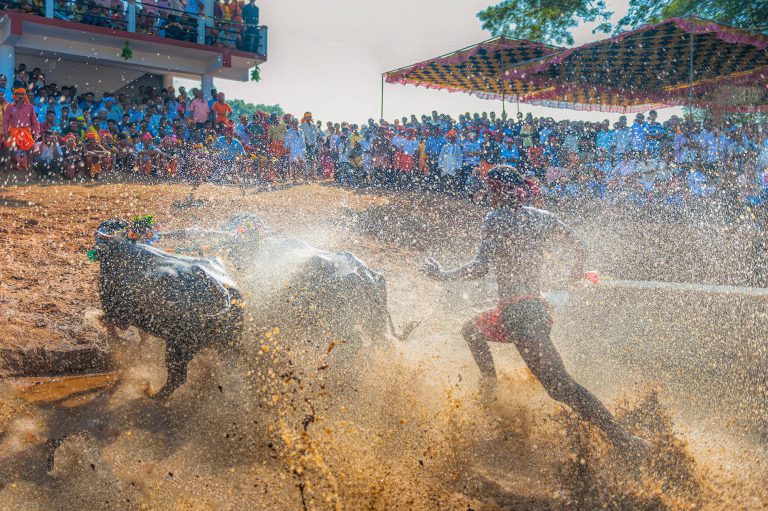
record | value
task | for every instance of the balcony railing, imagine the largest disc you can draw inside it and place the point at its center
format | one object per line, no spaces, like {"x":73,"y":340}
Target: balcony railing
{"x":152,"y":20}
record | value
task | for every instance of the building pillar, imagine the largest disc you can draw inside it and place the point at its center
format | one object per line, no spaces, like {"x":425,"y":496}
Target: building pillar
{"x":207,"y":86}
{"x":49,"y":8}
{"x":167,"y":81}
{"x":131,"y":15}
{"x":8,"y":63}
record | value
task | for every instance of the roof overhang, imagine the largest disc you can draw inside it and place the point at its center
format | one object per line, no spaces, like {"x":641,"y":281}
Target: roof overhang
{"x":153,"y":54}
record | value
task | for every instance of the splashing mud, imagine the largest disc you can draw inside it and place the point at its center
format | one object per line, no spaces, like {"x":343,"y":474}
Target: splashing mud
{"x":394,"y":426}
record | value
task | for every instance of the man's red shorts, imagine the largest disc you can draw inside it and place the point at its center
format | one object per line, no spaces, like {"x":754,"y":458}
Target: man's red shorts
{"x":491,"y":323}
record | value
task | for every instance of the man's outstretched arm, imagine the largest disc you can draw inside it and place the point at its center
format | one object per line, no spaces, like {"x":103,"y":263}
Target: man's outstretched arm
{"x":472,"y":270}
{"x":469,"y":271}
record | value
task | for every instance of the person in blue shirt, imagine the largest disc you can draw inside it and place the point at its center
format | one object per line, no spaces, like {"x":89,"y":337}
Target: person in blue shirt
{"x":638,"y":134}
{"x":654,"y":135}
{"x":433,"y":144}
{"x":134,"y":112}
{"x":100,"y":122}
{"x":471,"y":151}
{"x":698,"y":184}
{"x":605,"y":140}
{"x":228,"y":147}
{"x":154,"y":120}
{"x":114,"y":112}
{"x":509,"y":154}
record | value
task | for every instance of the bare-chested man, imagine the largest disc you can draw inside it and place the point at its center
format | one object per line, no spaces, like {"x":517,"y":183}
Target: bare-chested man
{"x":514,"y":238}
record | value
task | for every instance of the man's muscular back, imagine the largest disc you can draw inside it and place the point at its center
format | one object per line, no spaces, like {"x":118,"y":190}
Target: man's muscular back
{"x":513,"y":244}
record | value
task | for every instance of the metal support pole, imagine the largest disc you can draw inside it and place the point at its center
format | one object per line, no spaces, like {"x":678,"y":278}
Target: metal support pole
{"x":132,"y":16}
{"x":503,"y":89}
{"x":690,"y":75}
{"x":201,"y":29}
{"x":381,"y":116}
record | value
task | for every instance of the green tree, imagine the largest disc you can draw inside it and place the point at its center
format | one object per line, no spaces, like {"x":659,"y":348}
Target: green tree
{"x":551,"y":21}
{"x":240,"y":107}
{"x":548,"y":21}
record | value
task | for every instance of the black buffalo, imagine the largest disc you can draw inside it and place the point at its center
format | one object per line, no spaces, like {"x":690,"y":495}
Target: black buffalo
{"x":327,"y":296}
{"x":315,"y":294}
{"x":188,"y":302}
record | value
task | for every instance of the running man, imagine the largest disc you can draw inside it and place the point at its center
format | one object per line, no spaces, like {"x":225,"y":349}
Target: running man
{"x":513,"y":241}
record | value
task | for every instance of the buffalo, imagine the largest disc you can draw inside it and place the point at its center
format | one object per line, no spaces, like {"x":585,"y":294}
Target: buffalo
{"x":189,"y":302}
{"x":315,"y":294}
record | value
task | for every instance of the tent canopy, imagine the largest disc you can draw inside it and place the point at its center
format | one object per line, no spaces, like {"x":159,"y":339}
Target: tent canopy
{"x":654,"y":66}
{"x":477,"y":70}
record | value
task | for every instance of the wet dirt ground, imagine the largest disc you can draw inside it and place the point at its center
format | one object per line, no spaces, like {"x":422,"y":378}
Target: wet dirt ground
{"x":407,"y":433}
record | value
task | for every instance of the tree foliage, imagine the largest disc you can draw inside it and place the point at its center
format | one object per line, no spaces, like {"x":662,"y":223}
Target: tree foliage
{"x":240,"y":107}
{"x":749,"y":14}
{"x":548,"y":21}
{"x":551,"y":21}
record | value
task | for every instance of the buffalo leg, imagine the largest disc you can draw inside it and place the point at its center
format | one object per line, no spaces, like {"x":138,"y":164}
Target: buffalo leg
{"x":176,"y":360}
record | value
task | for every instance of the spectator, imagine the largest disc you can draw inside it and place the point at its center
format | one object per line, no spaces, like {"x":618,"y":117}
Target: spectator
{"x":451,"y":161}
{"x":20,"y":127}
{"x":47,"y":156}
{"x":251,"y":21}
{"x":221,"y":110}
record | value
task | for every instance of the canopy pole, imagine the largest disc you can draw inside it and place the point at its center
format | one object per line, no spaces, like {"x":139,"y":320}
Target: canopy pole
{"x":690,"y":76}
{"x":381,"y":116}
{"x":503,"y":103}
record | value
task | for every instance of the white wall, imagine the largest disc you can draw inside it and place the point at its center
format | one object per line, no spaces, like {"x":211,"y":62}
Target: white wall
{"x":85,"y":76}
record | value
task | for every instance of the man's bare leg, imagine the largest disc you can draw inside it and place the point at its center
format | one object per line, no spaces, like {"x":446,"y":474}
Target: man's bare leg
{"x":528,"y":323}
{"x":481,"y":352}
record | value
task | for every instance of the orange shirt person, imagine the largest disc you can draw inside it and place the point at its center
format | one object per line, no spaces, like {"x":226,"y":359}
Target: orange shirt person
{"x":221,"y":110}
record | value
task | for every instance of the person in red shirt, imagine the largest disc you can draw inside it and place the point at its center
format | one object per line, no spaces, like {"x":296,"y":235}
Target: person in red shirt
{"x":49,"y":124}
{"x":20,"y":127}
{"x":221,"y":110}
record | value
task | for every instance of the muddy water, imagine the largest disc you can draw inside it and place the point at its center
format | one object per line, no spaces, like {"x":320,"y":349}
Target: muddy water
{"x":404,"y":431}
{"x":280,"y":427}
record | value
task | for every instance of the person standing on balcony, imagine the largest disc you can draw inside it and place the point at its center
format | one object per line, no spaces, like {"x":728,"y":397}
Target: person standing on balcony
{"x":251,"y":20}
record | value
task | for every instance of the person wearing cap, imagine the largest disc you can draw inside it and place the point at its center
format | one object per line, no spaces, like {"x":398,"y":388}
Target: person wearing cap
{"x":20,"y":127}
{"x":148,"y":155}
{"x":513,"y":242}
{"x":94,"y":155}
{"x":114,"y":111}
{"x":311,"y":140}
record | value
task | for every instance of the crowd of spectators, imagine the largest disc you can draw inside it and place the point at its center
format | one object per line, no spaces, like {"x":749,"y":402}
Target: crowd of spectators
{"x":235,"y":23}
{"x":179,"y":135}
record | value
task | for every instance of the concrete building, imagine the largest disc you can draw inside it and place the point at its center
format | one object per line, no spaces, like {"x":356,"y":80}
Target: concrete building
{"x":90,"y":57}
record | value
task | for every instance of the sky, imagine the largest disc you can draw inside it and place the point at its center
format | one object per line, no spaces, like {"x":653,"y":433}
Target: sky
{"x":327,"y":57}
